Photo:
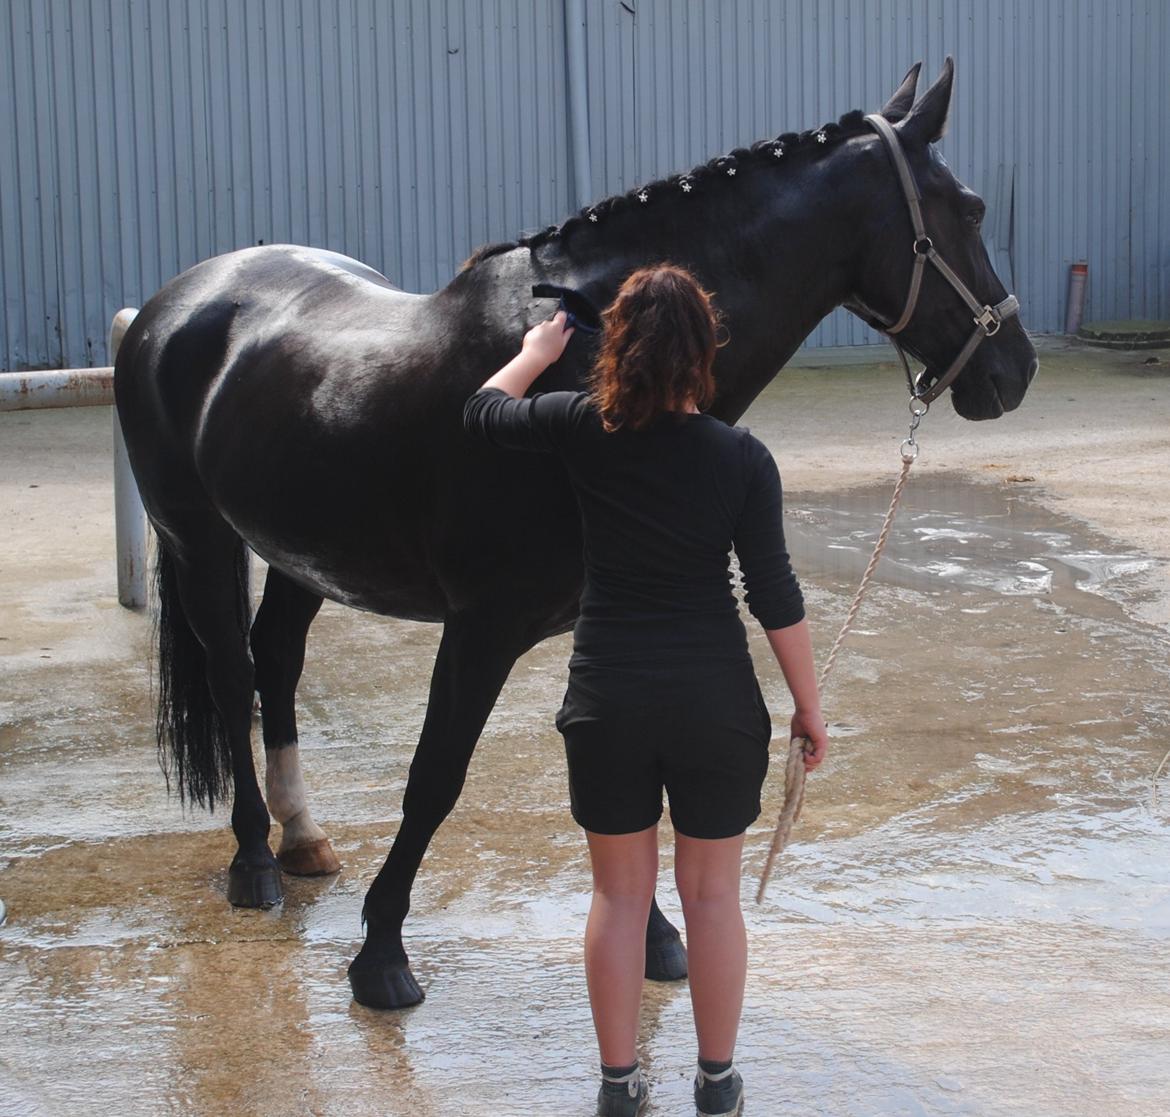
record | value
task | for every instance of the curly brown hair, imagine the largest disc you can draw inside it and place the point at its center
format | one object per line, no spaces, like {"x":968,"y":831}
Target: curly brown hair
{"x":657,"y":348}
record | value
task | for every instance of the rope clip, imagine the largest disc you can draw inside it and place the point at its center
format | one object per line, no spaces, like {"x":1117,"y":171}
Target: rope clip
{"x":909,"y":448}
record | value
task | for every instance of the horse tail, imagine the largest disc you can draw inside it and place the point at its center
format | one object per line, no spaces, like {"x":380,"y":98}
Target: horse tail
{"x":194,"y":750}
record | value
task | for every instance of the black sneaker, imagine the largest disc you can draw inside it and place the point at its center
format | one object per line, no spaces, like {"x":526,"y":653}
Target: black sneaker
{"x":624,"y":1096}
{"x":718,"y":1095}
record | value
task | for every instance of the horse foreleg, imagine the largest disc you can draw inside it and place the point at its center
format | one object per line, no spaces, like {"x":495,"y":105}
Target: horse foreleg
{"x":278,"y":648}
{"x":475,"y":656}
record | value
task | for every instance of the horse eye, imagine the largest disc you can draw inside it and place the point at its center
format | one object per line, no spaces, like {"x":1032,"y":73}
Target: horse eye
{"x":975,"y":218}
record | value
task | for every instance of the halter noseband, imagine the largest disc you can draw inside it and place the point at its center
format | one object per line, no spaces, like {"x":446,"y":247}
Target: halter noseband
{"x":987,"y":318}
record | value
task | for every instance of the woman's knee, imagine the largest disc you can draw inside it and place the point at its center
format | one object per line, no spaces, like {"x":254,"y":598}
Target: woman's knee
{"x":707,"y":872}
{"x":701,"y":898}
{"x":625,"y":866}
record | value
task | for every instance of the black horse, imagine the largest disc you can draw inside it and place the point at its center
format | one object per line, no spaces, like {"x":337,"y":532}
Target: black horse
{"x":296,"y":402}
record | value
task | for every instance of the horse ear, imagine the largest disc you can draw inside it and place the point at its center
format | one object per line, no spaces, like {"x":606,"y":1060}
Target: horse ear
{"x":899,"y":104}
{"x":927,"y":120}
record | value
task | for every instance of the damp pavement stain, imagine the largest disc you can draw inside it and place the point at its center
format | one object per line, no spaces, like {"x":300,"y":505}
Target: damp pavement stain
{"x":973,"y":916}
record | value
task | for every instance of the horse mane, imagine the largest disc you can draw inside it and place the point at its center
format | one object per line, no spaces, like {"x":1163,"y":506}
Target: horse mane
{"x":774,"y":153}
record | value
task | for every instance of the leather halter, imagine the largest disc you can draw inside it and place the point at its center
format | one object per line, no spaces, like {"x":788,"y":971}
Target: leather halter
{"x":987,"y":318}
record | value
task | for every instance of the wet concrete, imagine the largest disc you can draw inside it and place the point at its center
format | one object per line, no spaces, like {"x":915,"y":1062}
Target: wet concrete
{"x":973,"y":918}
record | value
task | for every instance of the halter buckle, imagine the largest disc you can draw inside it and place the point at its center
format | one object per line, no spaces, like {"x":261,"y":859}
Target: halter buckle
{"x":988,"y":321}
{"x":922,"y":246}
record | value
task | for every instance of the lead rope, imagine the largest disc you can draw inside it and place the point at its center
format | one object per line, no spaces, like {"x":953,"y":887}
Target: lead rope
{"x":1153,"y":784}
{"x":794,"y":770}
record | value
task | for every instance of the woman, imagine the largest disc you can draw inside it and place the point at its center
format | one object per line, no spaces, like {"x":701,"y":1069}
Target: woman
{"x":662,"y":692}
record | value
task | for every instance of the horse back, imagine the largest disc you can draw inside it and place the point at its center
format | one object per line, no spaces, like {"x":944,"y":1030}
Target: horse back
{"x":317,"y":408}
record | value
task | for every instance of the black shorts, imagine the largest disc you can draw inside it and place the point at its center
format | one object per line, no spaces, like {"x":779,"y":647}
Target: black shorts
{"x":700,"y":731}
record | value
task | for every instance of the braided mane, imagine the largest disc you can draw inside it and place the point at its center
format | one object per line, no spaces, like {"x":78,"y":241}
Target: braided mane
{"x":770,"y":153}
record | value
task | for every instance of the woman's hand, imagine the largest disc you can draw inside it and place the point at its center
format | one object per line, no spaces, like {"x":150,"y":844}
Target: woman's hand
{"x":811,"y":725}
{"x":546,"y":341}
{"x":543,"y":344}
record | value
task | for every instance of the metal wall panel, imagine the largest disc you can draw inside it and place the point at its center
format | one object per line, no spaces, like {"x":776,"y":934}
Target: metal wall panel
{"x":140,"y":136}
{"x":1059,"y":119}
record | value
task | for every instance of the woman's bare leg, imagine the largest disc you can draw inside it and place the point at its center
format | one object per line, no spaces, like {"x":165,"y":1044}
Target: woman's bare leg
{"x":625,"y":870}
{"x":707,"y":874}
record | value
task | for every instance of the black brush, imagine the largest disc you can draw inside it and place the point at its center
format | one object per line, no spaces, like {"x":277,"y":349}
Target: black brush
{"x":579,"y":309}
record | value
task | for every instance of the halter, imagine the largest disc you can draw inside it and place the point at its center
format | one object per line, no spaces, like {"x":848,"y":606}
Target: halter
{"x":987,"y":318}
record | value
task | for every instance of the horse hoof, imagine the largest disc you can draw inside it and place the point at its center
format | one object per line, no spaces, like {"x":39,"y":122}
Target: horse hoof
{"x":315,"y":859}
{"x":254,"y":888}
{"x":666,"y":959}
{"x":387,"y":986}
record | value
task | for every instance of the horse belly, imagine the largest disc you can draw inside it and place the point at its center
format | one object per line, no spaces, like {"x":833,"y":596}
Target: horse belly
{"x":329,"y":541}
{"x":338,"y":510}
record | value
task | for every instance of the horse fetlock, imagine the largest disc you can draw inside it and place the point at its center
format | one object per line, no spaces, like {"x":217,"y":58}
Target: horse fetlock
{"x":299,"y":830}
{"x":383,"y":937}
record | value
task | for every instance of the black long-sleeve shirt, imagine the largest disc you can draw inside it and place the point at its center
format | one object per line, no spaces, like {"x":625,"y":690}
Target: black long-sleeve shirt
{"x":661,"y":509}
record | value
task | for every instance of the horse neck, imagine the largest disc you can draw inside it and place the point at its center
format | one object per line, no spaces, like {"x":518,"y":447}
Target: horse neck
{"x":774,"y":277}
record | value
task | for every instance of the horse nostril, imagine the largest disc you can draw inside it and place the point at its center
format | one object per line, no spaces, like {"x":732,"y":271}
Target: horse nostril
{"x":1032,"y":368}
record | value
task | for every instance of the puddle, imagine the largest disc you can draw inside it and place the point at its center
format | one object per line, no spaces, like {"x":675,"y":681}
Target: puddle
{"x":951,"y":535}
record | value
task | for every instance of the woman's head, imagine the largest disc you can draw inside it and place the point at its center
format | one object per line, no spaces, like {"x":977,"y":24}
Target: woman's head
{"x":657,"y":348}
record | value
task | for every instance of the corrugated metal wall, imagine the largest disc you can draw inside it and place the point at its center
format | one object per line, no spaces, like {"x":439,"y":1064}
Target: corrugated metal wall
{"x":140,"y":136}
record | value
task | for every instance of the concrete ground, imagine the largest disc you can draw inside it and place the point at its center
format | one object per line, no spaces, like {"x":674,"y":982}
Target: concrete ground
{"x":972,"y":918}
{"x":1092,"y":439}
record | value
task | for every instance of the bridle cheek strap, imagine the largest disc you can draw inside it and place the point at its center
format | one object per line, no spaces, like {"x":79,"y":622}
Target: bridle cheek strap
{"x":987,"y":318}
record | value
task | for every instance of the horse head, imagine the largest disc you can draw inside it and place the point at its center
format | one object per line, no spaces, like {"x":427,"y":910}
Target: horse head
{"x":939,"y":323}
{"x":783,"y":232}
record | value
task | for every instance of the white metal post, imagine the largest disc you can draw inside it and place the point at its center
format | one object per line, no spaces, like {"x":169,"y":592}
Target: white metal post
{"x":129,"y":515}
{"x":578,"y":71}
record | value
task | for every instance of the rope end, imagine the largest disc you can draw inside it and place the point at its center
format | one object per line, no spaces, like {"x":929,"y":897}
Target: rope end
{"x":793,"y":800}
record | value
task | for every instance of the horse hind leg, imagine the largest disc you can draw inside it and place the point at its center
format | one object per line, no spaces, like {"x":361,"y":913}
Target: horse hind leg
{"x":278,"y":649}
{"x":206,"y":689}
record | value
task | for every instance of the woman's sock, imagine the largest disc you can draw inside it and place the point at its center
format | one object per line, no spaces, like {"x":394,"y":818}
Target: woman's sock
{"x":714,"y":1066}
{"x":618,"y":1072}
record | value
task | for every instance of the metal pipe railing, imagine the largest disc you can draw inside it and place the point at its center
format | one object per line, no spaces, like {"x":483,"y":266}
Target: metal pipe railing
{"x":61,"y":387}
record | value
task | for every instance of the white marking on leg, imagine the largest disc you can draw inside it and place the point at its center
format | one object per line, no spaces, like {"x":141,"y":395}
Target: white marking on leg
{"x":286,"y":797}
